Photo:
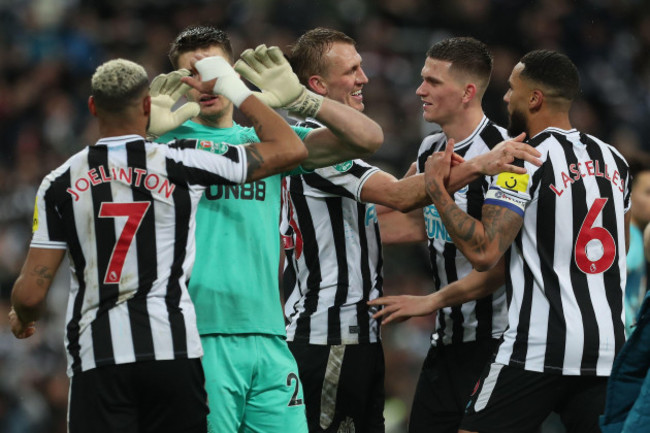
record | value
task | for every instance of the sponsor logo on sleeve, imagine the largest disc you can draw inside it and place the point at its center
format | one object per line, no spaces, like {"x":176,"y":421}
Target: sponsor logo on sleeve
{"x":344,"y":166}
{"x":35,"y":221}
{"x":211,"y":146}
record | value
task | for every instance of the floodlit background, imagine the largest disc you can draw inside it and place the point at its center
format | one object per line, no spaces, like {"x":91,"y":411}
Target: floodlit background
{"x":49,"y":49}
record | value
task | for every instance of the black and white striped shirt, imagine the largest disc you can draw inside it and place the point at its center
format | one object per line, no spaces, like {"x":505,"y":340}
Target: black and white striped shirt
{"x":334,"y":259}
{"x":567,"y":264}
{"x":484,"y":318}
{"x":124,"y":209}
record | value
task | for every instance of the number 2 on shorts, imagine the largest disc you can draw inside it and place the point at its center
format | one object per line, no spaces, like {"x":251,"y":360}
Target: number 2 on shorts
{"x":295,"y":401}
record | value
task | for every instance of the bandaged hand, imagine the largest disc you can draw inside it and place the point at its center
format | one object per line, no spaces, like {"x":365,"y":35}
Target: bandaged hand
{"x":269,"y":70}
{"x":228,"y":82}
{"x":165,"y":91}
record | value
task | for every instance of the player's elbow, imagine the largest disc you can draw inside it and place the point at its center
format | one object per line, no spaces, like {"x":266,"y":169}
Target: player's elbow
{"x":376,"y":139}
{"x":296,"y":153}
{"x":370,"y":140}
{"x":483,"y":262}
{"x":299,"y":153}
{"x":395,"y":198}
{"x":402,"y":206}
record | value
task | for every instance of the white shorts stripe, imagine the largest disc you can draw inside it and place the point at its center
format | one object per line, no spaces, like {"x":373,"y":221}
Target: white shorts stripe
{"x":488,"y":387}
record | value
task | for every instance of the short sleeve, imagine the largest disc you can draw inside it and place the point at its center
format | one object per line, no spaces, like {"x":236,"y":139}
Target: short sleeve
{"x":47,"y":227}
{"x":345,"y":179}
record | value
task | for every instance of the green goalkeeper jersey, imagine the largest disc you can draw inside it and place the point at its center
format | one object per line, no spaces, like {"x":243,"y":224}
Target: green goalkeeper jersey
{"x":234,"y":283}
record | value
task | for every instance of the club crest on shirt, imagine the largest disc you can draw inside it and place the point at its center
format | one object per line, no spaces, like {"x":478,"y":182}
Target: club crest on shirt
{"x":347,"y":426}
{"x":513,"y":181}
{"x":344,"y":166}
{"x":211,"y":146}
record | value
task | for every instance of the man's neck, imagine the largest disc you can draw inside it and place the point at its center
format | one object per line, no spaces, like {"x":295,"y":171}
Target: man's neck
{"x":106,"y":130}
{"x":542,"y":121}
{"x":462,"y":127}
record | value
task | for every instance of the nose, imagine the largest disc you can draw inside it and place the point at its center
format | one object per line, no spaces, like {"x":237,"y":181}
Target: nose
{"x":362,"y":78}
{"x":420,"y":90}
{"x":506,"y":97}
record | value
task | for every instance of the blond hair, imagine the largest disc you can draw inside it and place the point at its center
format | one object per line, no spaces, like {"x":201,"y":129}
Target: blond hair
{"x":117,"y":84}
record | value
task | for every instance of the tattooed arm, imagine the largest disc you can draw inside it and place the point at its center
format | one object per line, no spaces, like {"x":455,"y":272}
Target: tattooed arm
{"x":31,"y":287}
{"x":482,"y":242}
{"x":279,"y":149}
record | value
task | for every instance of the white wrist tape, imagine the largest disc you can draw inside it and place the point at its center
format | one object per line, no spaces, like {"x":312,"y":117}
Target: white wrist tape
{"x":228,"y":83}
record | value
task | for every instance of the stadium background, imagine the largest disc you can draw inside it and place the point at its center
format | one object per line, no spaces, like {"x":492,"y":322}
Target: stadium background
{"x":49,"y":49}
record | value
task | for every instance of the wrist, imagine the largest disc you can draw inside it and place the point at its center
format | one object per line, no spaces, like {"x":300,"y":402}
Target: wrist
{"x":308,"y":104}
{"x":232,"y":88}
{"x":471,"y":168}
{"x":433,"y":302}
{"x":228,"y":83}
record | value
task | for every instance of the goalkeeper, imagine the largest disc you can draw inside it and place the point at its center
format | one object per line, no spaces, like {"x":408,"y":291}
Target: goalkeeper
{"x":251,"y":376}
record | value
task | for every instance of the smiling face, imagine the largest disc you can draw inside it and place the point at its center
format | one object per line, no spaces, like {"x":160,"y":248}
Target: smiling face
{"x":344,"y":79}
{"x":440,"y":92}
{"x":216,"y":110}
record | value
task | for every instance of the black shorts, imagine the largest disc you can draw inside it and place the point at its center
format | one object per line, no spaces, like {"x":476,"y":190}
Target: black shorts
{"x":343,"y":386}
{"x":448,"y":376}
{"x":510,"y":399}
{"x":152,"y":396}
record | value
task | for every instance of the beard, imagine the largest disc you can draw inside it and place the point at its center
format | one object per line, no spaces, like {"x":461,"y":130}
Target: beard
{"x":517,"y":124}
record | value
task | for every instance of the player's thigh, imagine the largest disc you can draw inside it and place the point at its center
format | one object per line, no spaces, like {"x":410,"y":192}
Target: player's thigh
{"x":584,"y":403}
{"x":434,"y":409}
{"x":102,"y":400}
{"x":343,"y":386}
{"x":511,"y":400}
{"x":227,"y":362}
{"x":360,"y":396}
{"x":275,"y":402}
{"x":312,"y":364}
{"x":172,"y":396}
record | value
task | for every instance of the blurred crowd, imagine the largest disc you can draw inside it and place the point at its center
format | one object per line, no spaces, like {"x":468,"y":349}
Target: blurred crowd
{"x":49,"y":49}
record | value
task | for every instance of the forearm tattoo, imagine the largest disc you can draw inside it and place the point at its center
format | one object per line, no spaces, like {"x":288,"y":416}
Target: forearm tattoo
{"x":464,"y":229}
{"x":254,"y":157}
{"x":495,"y":218}
{"x":43,"y":275}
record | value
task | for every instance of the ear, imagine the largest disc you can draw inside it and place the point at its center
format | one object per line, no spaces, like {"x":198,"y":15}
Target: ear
{"x":469,"y":93}
{"x":535,"y":100}
{"x":91,"y":106}
{"x":317,"y":84}
{"x":146,"y":105}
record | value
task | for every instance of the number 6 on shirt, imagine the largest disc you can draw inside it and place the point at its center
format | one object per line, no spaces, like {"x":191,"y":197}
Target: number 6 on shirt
{"x":588,"y":233}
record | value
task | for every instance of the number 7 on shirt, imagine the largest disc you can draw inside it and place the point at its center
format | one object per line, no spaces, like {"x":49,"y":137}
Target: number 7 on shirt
{"x":135,"y":212}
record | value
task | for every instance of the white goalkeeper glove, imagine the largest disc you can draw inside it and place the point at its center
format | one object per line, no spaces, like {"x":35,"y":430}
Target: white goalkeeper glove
{"x":268,"y":69}
{"x":165,"y":91}
{"x":228,"y":82}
